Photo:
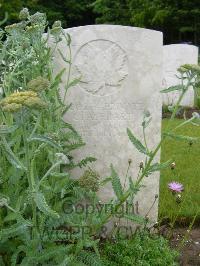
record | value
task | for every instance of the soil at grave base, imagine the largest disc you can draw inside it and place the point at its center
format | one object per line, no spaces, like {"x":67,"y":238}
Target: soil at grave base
{"x":185,"y":112}
{"x":190,"y":252}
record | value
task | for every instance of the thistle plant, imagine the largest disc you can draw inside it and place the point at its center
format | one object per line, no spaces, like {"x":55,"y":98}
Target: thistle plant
{"x":188,"y":77}
{"x":194,"y":70}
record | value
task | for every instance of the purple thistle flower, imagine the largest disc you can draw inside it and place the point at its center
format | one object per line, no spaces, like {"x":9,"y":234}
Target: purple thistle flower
{"x":175,"y":187}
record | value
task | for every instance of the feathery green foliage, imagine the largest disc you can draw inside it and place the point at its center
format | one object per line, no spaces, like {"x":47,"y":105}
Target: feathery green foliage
{"x":35,"y":152}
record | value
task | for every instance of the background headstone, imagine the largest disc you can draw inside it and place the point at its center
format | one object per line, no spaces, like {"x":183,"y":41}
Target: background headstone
{"x":176,"y":55}
{"x":121,"y":76}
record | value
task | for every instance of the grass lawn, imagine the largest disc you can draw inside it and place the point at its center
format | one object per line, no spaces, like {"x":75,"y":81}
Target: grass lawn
{"x":187,"y":172}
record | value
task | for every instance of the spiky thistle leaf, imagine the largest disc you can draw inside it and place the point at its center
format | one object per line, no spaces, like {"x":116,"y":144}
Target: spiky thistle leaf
{"x":139,"y":146}
{"x":116,"y":183}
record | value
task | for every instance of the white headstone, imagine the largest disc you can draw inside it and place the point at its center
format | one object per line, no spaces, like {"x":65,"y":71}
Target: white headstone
{"x":121,"y":76}
{"x":176,"y":55}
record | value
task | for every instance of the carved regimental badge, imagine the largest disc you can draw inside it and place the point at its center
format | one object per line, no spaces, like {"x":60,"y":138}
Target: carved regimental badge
{"x":102,"y":66}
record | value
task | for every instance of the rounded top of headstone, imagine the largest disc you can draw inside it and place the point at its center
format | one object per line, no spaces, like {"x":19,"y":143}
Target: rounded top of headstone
{"x":114,"y":27}
{"x":101,"y":55}
{"x":180,"y":46}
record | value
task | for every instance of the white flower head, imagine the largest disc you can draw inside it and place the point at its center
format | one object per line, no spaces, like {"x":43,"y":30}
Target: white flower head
{"x":62,"y":157}
{"x":171,"y":108}
{"x":147,"y":113}
{"x":3,"y":202}
{"x":196,"y":115}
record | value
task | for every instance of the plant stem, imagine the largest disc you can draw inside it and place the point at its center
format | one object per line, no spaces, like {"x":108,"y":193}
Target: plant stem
{"x":177,"y":105}
{"x":30,"y":176}
{"x":126,"y":176}
{"x":187,"y":234}
{"x":49,"y":171}
{"x":69,"y":71}
{"x":180,"y":99}
{"x":144,"y":136}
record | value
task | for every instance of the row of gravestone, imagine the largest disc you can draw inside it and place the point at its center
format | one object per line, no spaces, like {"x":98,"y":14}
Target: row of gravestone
{"x":121,"y":71}
{"x":174,"y":56}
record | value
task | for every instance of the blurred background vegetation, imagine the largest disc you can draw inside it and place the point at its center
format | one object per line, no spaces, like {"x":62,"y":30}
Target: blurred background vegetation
{"x":178,"y":19}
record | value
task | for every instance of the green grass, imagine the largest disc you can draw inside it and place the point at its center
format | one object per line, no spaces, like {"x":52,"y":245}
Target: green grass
{"x":187,"y":172}
{"x":143,"y":249}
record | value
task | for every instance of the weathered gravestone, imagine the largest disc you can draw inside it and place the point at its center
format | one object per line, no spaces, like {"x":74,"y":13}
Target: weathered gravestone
{"x":121,"y":75}
{"x":174,"y":56}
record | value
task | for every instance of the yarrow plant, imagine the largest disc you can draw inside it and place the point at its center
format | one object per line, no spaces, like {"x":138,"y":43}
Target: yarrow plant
{"x":35,"y":152}
{"x":17,"y":100}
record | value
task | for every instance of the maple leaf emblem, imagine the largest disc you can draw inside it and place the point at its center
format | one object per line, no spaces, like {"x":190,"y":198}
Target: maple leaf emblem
{"x":102,"y":65}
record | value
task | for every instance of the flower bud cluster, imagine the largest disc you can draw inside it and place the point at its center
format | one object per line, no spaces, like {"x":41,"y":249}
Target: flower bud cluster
{"x":189,"y":67}
{"x":16,"y":27}
{"x":24,"y":14}
{"x":17,"y":100}
{"x":56,"y":30}
{"x":39,"y":84}
{"x":90,"y":180}
{"x":38,"y":18}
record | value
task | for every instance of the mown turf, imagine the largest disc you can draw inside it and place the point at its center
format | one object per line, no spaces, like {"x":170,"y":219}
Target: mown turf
{"x":187,"y":172}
